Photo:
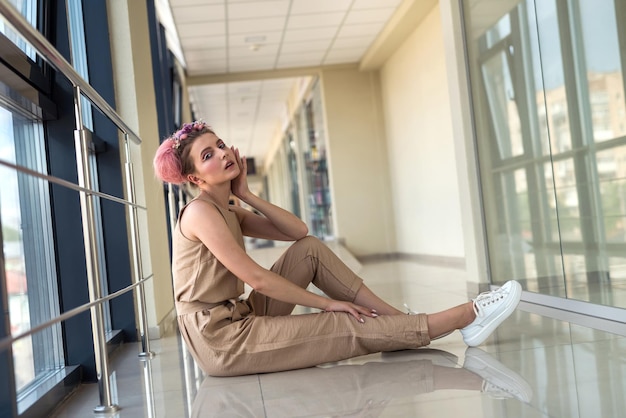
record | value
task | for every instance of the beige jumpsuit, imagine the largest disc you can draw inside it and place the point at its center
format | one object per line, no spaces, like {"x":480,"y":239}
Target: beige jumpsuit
{"x":228,"y":336}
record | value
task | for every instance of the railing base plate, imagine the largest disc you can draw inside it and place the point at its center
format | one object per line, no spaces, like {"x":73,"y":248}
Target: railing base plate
{"x":146,"y":355}
{"x":103,"y":409}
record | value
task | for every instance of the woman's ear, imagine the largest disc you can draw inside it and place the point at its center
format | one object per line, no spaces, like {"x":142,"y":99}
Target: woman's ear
{"x":193,"y":179}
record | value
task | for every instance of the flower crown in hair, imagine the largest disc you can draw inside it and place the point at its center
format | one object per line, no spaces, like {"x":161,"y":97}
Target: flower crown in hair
{"x":184,"y":132}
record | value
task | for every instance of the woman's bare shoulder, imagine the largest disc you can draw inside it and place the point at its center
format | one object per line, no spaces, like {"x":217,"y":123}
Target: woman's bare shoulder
{"x":198,"y":213}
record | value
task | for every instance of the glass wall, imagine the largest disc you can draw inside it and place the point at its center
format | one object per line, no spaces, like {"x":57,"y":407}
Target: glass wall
{"x":43,"y":272}
{"x":28,"y":247}
{"x":26,"y":218}
{"x":548,"y":92}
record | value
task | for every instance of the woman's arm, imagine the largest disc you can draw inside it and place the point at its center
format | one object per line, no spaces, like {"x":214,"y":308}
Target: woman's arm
{"x":202,"y":221}
{"x":276,"y":224}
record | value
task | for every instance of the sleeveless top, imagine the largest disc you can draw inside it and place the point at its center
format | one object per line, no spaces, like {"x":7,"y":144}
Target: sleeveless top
{"x":200,"y":278}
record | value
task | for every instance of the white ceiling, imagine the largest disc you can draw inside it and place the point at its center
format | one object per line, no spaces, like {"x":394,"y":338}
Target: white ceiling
{"x":235,"y":37}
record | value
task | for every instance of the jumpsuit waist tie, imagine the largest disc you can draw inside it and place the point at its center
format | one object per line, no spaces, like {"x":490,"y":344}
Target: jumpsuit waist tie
{"x":238,"y":308}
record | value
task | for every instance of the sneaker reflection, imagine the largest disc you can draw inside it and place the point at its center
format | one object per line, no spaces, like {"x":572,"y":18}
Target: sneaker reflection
{"x":357,"y":390}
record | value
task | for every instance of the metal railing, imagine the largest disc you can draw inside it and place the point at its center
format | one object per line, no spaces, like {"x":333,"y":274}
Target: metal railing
{"x":87,"y":199}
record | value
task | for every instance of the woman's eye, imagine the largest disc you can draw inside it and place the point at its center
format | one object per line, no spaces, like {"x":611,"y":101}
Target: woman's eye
{"x":222,"y":145}
{"x":206,"y":156}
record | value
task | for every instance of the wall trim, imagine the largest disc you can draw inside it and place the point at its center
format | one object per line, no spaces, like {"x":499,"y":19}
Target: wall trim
{"x":428,"y":259}
{"x":46,"y":395}
{"x":167,"y":325}
{"x":474,"y":288}
{"x":578,"y":312}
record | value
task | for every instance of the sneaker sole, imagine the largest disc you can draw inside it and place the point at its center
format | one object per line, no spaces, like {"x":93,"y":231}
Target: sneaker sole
{"x":485,"y":332}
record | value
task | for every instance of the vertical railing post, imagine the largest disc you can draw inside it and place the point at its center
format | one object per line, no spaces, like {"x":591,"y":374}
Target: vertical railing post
{"x":149,"y":389}
{"x":136,"y":255}
{"x":82,"y":144}
{"x":175,"y":203}
{"x":171,"y":204}
{"x":181,"y":198}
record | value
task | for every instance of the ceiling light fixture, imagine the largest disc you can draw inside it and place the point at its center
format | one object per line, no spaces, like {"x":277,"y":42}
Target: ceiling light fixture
{"x":255,"y":39}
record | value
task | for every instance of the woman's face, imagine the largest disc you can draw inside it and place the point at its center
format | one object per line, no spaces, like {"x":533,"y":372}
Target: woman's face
{"x":213,"y":161}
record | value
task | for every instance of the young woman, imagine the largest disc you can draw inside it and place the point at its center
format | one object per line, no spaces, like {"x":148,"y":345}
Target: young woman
{"x":229,"y":335}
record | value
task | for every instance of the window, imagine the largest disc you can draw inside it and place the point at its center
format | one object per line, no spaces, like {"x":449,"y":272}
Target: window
{"x":548,"y":88}
{"x":28,"y":249}
{"x":25,"y":209}
{"x":28,"y":9}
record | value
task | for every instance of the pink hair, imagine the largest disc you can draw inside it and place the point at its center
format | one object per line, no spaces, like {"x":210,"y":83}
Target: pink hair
{"x":171,"y":162}
{"x":167,"y":164}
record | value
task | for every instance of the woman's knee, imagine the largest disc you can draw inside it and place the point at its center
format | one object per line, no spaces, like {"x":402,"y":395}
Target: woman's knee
{"x":301,"y":250}
{"x":309,"y":242}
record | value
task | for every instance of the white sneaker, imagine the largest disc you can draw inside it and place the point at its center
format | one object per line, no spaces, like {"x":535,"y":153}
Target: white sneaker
{"x":498,"y":380}
{"x":491,"y":309}
{"x":412,"y":312}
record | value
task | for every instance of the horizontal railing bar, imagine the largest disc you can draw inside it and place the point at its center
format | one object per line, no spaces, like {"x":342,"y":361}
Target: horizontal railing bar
{"x":7,"y":341}
{"x":53,"y":57}
{"x":69,"y":184}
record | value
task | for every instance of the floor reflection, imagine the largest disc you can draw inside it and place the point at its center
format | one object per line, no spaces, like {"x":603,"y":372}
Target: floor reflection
{"x":359,"y":390}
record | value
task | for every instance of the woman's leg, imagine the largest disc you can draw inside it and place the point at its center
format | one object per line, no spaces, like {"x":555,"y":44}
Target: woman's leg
{"x":365,"y":297}
{"x":443,"y":322}
{"x":310,"y":261}
{"x":260,"y":344}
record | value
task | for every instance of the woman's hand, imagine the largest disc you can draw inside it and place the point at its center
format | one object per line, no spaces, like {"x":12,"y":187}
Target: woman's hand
{"x":239,"y":185}
{"x":276,"y":223}
{"x":354,"y":310}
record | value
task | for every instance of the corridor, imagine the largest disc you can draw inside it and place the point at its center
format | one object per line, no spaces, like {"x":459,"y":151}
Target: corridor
{"x":532,"y":366}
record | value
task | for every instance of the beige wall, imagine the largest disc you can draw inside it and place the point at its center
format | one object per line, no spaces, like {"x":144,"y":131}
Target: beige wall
{"x":358,"y":162}
{"x":423,"y":176}
{"x":132,"y":67}
{"x":392,"y":151}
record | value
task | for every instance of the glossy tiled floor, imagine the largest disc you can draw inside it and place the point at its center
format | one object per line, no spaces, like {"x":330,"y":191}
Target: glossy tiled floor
{"x":532,"y":366}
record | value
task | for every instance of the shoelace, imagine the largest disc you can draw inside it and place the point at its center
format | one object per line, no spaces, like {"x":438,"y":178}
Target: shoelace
{"x":487,"y":298}
{"x":412,"y":312}
{"x":497,"y":391}
{"x":409,"y":310}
